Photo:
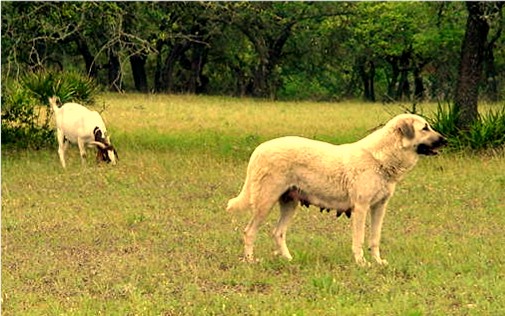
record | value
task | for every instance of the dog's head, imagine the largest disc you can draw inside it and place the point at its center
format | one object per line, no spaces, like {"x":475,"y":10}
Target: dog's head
{"x":417,"y":134}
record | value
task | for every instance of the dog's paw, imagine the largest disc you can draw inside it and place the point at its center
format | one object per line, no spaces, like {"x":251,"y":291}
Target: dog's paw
{"x":284,"y":255}
{"x":362,"y":262}
{"x":382,"y":262}
{"x":249,"y":259}
{"x":379,"y":260}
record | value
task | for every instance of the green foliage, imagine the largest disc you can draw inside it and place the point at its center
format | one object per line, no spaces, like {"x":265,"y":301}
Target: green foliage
{"x":68,"y":86}
{"x":300,"y":87}
{"x":26,"y":115}
{"x":21,"y":119}
{"x":286,"y":50}
{"x":487,"y":132}
{"x":444,"y":121}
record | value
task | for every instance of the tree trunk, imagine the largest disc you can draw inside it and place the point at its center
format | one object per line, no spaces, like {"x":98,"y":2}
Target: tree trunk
{"x":418,"y":84}
{"x":364,"y":79}
{"x":158,"y":83}
{"x":491,"y":74}
{"x":371,"y":77}
{"x":138,"y":63}
{"x":89,"y":59}
{"x":197,"y":81}
{"x":114,"y":71}
{"x":393,"y":61}
{"x":470,"y":68}
{"x":261,"y":81}
{"x":403,"y":92}
{"x":269,"y":50}
{"x":168,"y":79}
{"x":366,"y":70}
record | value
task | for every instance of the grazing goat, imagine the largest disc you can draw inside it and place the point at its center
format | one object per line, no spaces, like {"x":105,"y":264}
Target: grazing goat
{"x":77,"y":124}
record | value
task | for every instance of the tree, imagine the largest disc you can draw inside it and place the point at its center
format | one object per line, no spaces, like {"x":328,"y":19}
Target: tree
{"x":490,"y":68}
{"x":268,"y":26}
{"x":386,"y":49}
{"x":437,"y":44}
{"x":471,"y":62}
{"x":296,"y":50}
{"x":182,"y":47}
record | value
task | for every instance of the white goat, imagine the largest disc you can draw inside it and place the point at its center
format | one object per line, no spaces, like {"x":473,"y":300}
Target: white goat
{"x":77,"y":124}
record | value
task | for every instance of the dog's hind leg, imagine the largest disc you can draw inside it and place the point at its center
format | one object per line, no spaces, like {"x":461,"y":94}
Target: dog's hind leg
{"x":260,"y":211}
{"x":288,"y":209}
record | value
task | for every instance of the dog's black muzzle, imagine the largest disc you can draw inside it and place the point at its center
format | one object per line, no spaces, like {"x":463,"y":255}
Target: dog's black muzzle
{"x":431,"y":150}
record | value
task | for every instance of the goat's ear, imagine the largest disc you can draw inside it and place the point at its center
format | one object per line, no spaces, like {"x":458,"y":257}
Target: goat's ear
{"x":406,"y":129}
{"x":98,"y":134}
{"x":55,"y":100}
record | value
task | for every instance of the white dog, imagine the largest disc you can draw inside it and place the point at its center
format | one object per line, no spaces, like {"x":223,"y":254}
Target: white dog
{"x":354,"y":178}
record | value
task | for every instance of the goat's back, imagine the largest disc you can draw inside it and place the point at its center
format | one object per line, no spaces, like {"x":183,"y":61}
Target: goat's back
{"x":76,"y":121}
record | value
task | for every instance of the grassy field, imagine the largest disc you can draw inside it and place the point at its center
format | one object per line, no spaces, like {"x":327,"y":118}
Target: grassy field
{"x":150,"y":236}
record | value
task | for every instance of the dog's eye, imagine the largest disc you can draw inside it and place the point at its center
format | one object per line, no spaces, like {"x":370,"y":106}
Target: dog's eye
{"x":426,"y":128}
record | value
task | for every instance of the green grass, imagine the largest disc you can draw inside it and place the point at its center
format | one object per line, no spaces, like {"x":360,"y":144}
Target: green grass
{"x":151,"y":236}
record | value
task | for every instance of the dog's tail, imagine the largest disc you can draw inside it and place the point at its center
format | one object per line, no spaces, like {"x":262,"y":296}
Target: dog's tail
{"x":238,"y":203}
{"x":235,"y":204}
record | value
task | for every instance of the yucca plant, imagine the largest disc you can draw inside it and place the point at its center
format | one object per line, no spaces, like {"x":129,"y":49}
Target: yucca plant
{"x":444,"y":121}
{"x":487,"y":131}
{"x":68,"y":86}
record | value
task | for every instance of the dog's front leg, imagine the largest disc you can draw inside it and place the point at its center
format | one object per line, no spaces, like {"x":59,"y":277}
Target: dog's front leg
{"x":377,"y":216}
{"x":358,"y":232}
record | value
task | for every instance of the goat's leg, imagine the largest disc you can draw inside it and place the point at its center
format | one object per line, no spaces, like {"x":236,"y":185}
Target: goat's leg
{"x":62,"y":146}
{"x":82,"y":150}
{"x":287,"y":211}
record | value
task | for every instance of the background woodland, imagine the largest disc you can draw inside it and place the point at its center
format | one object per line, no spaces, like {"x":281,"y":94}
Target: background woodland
{"x":380,"y":51}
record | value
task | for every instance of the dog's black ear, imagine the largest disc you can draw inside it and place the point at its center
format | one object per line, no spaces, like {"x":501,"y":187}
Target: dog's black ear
{"x":407,"y":129}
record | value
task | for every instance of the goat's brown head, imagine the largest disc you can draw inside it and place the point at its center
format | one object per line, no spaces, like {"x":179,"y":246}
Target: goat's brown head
{"x":105,"y":151}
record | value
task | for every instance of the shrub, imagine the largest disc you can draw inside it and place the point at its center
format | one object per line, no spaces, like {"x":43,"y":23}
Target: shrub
{"x":68,"y":86}
{"x":487,"y":132}
{"x":26,"y":114}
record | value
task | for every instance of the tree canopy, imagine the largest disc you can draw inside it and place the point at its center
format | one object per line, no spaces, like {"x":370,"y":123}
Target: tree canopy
{"x":378,"y":51}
